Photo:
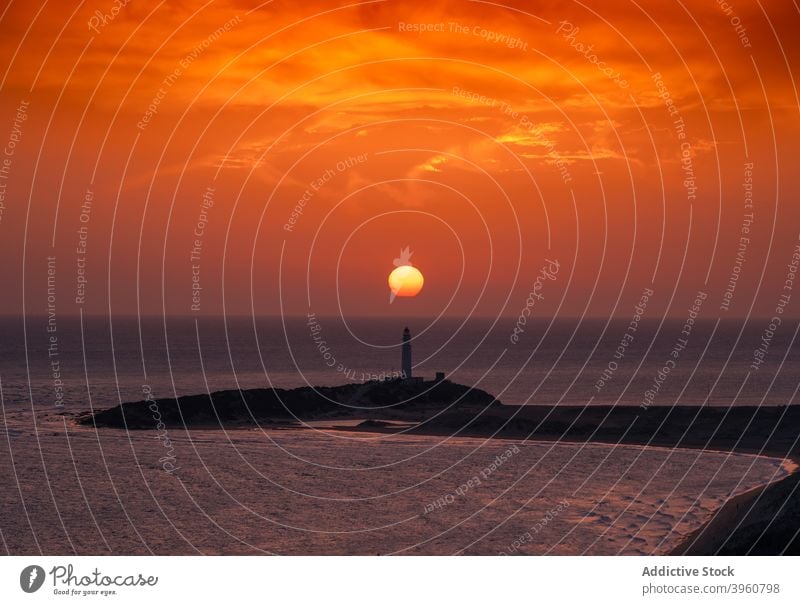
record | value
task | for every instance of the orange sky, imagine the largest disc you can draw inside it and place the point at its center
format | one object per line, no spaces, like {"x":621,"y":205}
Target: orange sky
{"x":507,"y":135}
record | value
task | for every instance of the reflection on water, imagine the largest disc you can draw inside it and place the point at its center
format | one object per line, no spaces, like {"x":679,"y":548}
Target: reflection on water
{"x":327,"y":492}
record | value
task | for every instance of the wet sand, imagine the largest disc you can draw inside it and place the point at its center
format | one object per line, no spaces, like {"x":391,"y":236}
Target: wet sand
{"x":763,"y":521}
{"x":282,"y":490}
{"x":652,"y":481}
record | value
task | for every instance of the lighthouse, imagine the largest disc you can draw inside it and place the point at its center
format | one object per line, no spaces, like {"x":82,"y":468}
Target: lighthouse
{"x":405,"y":358}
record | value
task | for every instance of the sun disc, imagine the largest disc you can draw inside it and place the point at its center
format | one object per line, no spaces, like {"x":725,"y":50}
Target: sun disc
{"x":406,"y":281}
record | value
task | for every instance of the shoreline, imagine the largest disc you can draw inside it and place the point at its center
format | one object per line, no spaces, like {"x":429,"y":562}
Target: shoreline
{"x":764,"y":520}
{"x":745,"y":524}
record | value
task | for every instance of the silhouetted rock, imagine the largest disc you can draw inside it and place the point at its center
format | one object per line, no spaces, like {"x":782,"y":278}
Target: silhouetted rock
{"x":270,"y":405}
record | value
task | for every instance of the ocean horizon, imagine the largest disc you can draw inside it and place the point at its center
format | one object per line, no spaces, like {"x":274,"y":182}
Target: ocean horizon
{"x":103,"y":361}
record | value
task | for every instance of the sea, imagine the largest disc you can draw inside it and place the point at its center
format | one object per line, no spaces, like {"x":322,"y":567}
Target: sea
{"x":67,"y":488}
{"x":92,"y":361}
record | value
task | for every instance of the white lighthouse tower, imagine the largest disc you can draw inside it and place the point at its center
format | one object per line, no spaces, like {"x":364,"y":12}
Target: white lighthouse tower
{"x":405,"y":359}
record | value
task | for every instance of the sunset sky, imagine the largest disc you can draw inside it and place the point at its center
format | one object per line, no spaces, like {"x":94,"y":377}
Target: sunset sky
{"x":313,"y":141}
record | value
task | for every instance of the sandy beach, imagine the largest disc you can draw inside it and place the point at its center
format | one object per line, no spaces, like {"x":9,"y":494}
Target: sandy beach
{"x":476,"y":478}
{"x":333,"y":491}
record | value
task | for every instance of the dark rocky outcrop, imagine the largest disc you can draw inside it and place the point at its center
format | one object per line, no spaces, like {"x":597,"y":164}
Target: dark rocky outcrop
{"x":225,"y":408}
{"x":762,"y":521}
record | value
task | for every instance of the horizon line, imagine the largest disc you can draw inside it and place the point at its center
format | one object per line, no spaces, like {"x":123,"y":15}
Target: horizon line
{"x":404,"y":318}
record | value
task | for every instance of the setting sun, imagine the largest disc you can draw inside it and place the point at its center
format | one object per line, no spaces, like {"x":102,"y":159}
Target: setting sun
{"x":406,"y":281}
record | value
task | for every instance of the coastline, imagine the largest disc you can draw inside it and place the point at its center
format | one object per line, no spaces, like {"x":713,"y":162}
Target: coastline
{"x":762,"y":520}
